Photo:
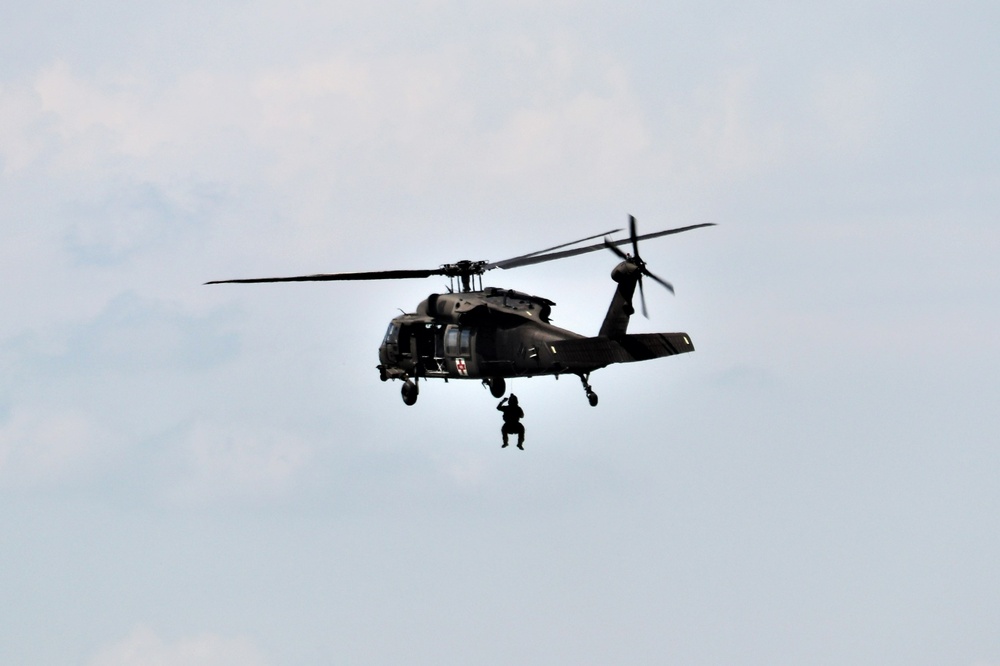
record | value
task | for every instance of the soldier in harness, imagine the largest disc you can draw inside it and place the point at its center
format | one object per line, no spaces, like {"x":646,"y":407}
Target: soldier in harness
{"x":512,"y":415}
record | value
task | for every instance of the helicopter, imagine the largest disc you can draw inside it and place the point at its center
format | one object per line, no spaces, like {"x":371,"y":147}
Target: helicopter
{"x":493,"y":334}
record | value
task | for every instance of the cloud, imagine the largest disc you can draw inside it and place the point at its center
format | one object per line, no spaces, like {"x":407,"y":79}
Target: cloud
{"x":42,"y":446}
{"x":606,"y":132}
{"x":136,"y":334}
{"x":847,"y":107}
{"x":143,"y":647}
{"x":73,"y":394}
{"x":399,"y":120}
{"x":238,"y":462}
{"x":131,"y":335}
{"x":21,"y":138}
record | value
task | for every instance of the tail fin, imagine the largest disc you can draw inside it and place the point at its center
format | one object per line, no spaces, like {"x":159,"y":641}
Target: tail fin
{"x":616,"y":321}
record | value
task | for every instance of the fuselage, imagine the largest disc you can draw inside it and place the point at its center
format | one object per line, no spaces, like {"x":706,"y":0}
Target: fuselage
{"x":492,"y":333}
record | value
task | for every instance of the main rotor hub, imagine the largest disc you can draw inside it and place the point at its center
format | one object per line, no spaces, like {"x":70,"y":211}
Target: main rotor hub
{"x":465,"y":270}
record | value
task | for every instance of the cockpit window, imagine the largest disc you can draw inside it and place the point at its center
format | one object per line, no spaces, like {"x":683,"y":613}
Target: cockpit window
{"x":392,"y":334}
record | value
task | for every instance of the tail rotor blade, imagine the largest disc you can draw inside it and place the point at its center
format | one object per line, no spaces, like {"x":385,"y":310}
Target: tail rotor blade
{"x":642,"y":299}
{"x":611,"y":246}
{"x":634,"y":236}
{"x":663,"y":282}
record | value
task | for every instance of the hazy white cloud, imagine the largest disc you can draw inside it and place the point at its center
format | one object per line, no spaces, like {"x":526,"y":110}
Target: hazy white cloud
{"x":21,"y":140}
{"x":143,"y":647}
{"x":391,"y":121}
{"x":106,"y":118}
{"x":720,"y":129}
{"x":464,"y":470}
{"x":237,"y":462}
{"x":598,"y":140}
{"x":42,"y":446}
{"x":849,"y":108}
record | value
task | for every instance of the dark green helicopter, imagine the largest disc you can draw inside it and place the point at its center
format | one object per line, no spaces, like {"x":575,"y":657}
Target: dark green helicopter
{"x":491,"y":334}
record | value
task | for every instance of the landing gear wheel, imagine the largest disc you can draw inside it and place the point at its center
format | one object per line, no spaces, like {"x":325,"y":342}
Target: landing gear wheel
{"x":410,"y":391}
{"x":591,"y":396}
{"x":498,"y":386}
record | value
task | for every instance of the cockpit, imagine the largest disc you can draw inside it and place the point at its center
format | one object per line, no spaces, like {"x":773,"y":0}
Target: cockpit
{"x":421,"y":347}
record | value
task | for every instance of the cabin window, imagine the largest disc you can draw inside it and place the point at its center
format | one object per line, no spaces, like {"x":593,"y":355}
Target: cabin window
{"x":451,"y":341}
{"x":458,"y":341}
{"x":465,"y":343}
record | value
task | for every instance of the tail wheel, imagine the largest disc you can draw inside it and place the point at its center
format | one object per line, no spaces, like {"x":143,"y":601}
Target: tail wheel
{"x":591,"y":396}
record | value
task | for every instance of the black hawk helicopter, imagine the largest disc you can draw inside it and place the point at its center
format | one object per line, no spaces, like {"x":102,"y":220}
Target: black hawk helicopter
{"x":492,"y":334}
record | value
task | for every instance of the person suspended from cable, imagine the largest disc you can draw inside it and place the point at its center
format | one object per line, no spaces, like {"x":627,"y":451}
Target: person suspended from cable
{"x":512,"y":415}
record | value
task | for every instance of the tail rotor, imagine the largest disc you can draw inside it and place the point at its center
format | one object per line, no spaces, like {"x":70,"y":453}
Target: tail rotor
{"x":635,"y":260}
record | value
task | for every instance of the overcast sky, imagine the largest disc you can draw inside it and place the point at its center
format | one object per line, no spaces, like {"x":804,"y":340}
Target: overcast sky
{"x":214,"y":475}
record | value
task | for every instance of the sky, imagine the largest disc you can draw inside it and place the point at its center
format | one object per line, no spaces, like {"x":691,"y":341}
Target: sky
{"x":214,"y":475}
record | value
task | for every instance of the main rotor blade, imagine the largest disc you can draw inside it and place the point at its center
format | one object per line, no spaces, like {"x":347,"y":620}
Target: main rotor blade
{"x":537,"y":259}
{"x":324,"y":277}
{"x":502,"y":264}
